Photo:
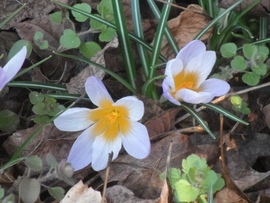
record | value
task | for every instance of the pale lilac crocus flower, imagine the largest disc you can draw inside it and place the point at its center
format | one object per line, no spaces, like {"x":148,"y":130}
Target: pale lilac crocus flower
{"x":12,"y":67}
{"x":186,"y":76}
{"x":105,"y":128}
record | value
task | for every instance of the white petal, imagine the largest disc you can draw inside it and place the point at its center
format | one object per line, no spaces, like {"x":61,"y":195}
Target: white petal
{"x":215,"y":86}
{"x":135,"y":107}
{"x":202,"y":65}
{"x":3,"y":79}
{"x":137,"y":142}
{"x":167,"y":94}
{"x":173,"y":67}
{"x":15,"y":63}
{"x":73,"y":119}
{"x":192,"y":97}
{"x":191,"y":50}
{"x":81,"y":151}
{"x":101,"y":150}
{"x":96,"y":90}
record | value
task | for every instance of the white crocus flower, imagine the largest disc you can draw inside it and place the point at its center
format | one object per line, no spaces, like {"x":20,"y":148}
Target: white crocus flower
{"x":187,"y":73}
{"x":106,"y":128}
{"x":12,"y":67}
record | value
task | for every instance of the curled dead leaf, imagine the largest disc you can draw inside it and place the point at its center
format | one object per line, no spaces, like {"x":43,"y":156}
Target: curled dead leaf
{"x":185,"y":27}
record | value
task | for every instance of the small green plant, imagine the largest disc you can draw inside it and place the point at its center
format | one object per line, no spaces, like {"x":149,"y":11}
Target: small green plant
{"x":105,"y":11}
{"x":252,"y":64}
{"x":196,"y":182}
{"x":71,"y":40}
{"x":239,"y":105}
{"x":44,"y":107}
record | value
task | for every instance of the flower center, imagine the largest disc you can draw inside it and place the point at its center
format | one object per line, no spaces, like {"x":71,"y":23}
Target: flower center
{"x":110,"y":120}
{"x":113,"y":116}
{"x":187,"y":85}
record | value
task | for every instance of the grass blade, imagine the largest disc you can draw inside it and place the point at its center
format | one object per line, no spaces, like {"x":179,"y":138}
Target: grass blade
{"x":151,"y":91}
{"x":124,"y":40}
{"x":195,"y":115}
{"x":167,"y":31}
{"x":101,"y":20}
{"x":137,"y":25}
{"x":224,"y":112}
{"x":117,"y":77}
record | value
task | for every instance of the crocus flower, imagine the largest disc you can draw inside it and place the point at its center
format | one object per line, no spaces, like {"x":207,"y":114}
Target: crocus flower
{"x":12,"y":67}
{"x":187,"y":73}
{"x":106,"y":128}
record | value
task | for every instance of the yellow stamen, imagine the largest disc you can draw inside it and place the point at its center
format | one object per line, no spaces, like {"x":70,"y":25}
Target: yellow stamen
{"x":110,"y":120}
{"x":185,"y":80}
{"x":113,"y":116}
{"x":187,"y":85}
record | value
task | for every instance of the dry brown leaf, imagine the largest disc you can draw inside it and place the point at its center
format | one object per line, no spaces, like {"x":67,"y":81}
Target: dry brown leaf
{"x":228,"y":196}
{"x":164,"y":197}
{"x":32,"y":10}
{"x":263,"y":199}
{"x":52,"y":32}
{"x":143,"y":175}
{"x":80,"y":193}
{"x":161,"y":123}
{"x":117,"y":194}
{"x":76,"y":84}
{"x":185,"y":27}
{"x":49,"y":140}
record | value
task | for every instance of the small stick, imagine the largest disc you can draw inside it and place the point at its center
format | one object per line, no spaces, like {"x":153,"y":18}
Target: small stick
{"x":106,"y":177}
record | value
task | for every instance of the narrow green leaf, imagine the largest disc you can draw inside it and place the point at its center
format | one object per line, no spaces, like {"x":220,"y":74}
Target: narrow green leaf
{"x":12,"y":15}
{"x":149,"y":82}
{"x":138,"y":30}
{"x":66,"y":96}
{"x":195,"y":115}
{"x":117,"y":77}
{"x":124,"y":40}
{"x":167,"y":31}
{"x":224,"y":112}
{"x":31,"y":67}
{"x":105,"y":22}
{"x":151,"y":91}
{"x":215,"y":20}
{"x":37,"y":85}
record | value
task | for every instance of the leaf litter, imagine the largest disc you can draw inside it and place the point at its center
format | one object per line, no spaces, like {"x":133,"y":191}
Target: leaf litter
{"x":134,"y":180}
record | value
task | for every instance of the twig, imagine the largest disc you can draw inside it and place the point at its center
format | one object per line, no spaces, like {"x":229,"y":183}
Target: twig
{"x":106,"y":177}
